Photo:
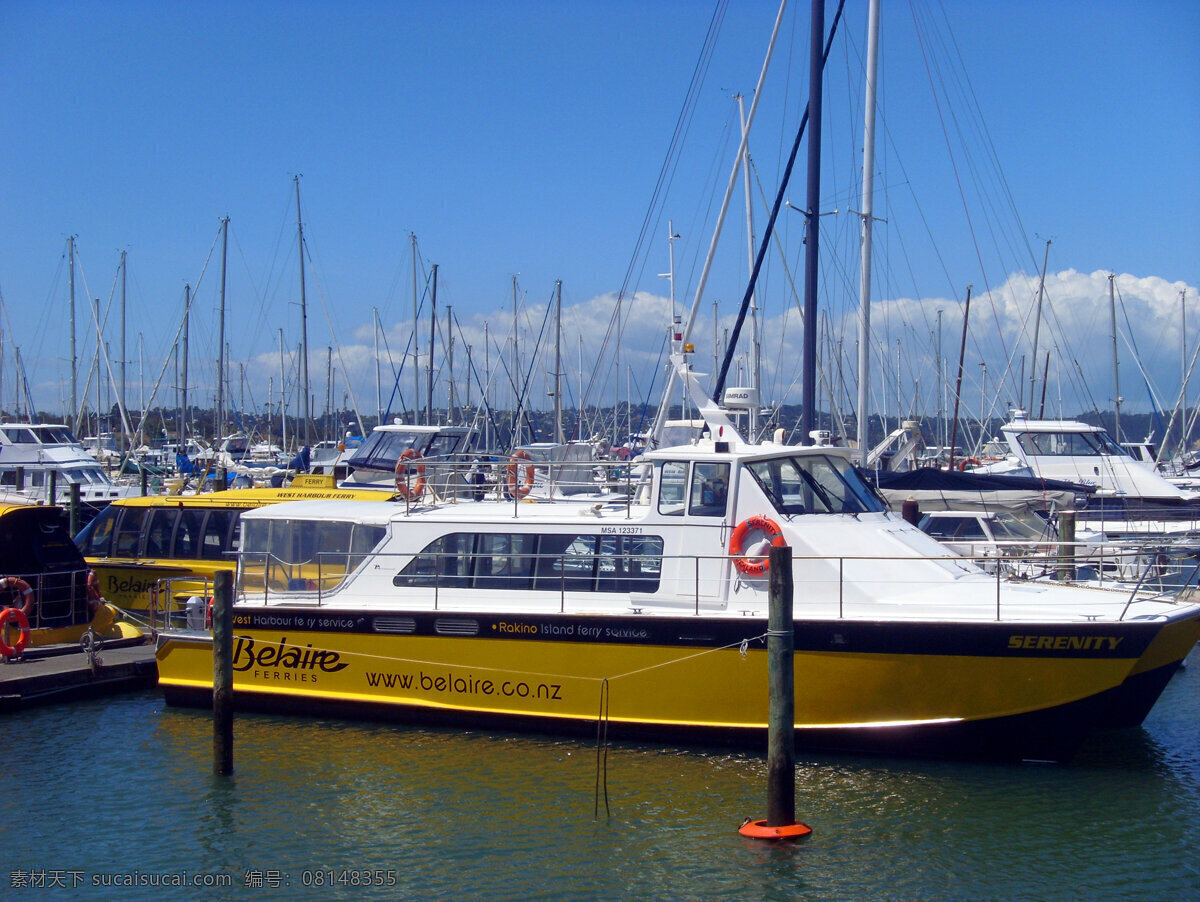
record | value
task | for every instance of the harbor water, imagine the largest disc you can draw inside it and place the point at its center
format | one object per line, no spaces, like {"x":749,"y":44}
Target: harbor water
{"x":116,"y":799}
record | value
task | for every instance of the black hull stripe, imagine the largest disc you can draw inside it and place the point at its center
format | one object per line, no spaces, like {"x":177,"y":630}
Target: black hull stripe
{"x":1126,"y":640}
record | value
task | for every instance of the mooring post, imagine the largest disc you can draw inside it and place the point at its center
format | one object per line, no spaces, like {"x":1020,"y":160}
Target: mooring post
{"x":1066,"y":550}
{"x":145,"y":481}
{"x":781,"y":716}
{"x":74,"y":508}
{"x":222,"y":629}
{"x":52,"y":494}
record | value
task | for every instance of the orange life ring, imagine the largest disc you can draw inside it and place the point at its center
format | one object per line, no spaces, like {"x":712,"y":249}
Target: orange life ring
{"x":760,"y":830}
{"x":22,"y":589}
{"x":737,"y":543}
{"x":93,"y":591}
{"x":22,"y":624}
{"x":410,"y":491}
{"x":970,"y":462}
{"x":515,"y":486}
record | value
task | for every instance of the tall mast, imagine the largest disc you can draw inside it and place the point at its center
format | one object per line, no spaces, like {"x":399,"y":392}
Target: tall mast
{"x":516,"y":371}
{"x":221,"y":338}
{"x":1183,"y":361}
{"x":305,"y":407}
{"x":328,"y":387}
{"x":74,"y":360}
{"x":558,"y":426}
{"x":124,"y":396}
{"x":187,"y":313}
{"x":432,"y":327}
{"x":1037,"y":324}
{"x":415,"y":341}
{"x":1112,"y":306}
{"x":450,"y":417}
{"x":378,"y":384}
{"x":755,"y":363}
{"x":282,"y":394}
{"x":812,"y":211}
{"x":868,"y":206}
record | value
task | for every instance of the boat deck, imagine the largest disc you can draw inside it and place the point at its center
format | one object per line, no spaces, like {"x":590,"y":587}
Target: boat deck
{"x":61,"y":673}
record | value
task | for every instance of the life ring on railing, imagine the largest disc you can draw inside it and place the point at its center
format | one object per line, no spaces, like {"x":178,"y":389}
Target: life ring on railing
{"x":410,"y":462}
{"x":22,"y":625}
{"x":515,"y":486}
{"x":93,"y":592}
{"x":970,"y":462}
{"x":737,"y":543}
{"x":22,"y":590}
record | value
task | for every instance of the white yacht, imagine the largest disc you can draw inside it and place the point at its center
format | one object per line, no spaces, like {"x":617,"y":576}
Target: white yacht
{"x":33,"y":455}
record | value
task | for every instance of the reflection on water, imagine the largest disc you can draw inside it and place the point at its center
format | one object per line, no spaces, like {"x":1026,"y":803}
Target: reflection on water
{"x":127,"y":784}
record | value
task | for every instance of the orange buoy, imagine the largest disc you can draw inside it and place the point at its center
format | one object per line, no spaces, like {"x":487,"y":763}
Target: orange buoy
{"x":515,"y":486}
{"x":410,"y":461}
{"x":759,"y":830}
{"x":21,"y":622}
{"x":737,"y":543}
{"x":22,"y":590}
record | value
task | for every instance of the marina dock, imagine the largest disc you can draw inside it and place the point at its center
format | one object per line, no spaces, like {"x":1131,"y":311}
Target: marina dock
{"x":67,"y":673}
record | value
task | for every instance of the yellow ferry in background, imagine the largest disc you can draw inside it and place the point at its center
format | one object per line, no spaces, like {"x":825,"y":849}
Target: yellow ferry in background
{"x":141,"y":547}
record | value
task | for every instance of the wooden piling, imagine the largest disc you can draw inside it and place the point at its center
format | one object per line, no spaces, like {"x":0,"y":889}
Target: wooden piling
{"x":781,"y":718}
{"x":74,"y":507}
{"x":222,"y":629}
{"x":1066,"y":550}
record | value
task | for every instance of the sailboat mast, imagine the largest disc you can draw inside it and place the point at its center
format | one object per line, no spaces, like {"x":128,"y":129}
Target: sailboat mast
{"x":755,"y":363}
{"x":221,"y":338}
{"x":1112,"y":306}
{"x":305,"y":406}
{"x":282,"y":394}
{"x":809,"y":369}
{"x":868,"y":206}
{"x":378,"y":384}
{"x":416,"y":343}
{"x":558,"y":426}
{"x":451,"y":419}
{"x":124,"y":396}
{"x":1037,"y":324}
{"x":74,"y":360}
{"x":432,"y":333}
{"x":187,"y":314}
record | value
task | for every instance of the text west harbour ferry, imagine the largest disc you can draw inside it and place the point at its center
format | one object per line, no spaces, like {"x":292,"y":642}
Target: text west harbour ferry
{"x":653,"y":611}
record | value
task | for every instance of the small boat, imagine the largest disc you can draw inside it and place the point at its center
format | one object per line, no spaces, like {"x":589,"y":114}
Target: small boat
{"x":50,"y":596}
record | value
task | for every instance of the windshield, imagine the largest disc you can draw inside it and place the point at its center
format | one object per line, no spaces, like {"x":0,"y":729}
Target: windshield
{"x":1020,"y":526}
{"x":814,"y":484}
{"x":1069,"y":444}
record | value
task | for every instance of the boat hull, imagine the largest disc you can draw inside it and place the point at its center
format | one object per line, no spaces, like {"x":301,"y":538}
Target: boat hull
{"x":993,"y":690}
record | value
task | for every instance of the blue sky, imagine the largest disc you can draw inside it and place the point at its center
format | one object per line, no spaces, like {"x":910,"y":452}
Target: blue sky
{"x":527,"y":139}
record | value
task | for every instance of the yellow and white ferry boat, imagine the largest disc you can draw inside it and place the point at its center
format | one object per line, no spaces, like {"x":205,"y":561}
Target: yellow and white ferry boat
{"x":651,"y":612}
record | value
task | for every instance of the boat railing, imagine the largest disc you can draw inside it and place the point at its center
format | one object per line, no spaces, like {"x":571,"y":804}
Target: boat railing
{"x":59,"y":597}
{"x":695,"y":584}
{"x":512,"y":479}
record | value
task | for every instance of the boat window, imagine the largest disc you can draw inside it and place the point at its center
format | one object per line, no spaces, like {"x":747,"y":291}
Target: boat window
{"x":813,"y":484}
{"x":20,"y":435}
{"x":129,"y":532}
{"x":1020,"y":526}
{"x":304,"y":555}
{"x":953,"y":528}
{"x":1069,"y":444}
{"x":215,"y":538}
{"x":187,"y":534}
{"x":443,"y":445}
{"x":710,"y":489}
{"x":158,"y":532}
{"x":672,"y":484}
{"x":548,"y":562}
{"x":95,"y":539}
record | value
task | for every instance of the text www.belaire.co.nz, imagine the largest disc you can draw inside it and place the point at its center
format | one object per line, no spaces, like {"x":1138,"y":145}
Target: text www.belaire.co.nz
{"x":468,"y":685}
